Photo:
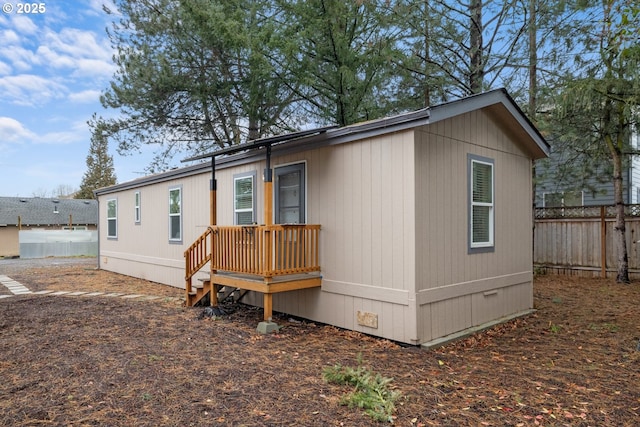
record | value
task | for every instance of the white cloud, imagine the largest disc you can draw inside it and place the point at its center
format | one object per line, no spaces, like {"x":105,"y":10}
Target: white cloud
{"x":5,"y":68}
{"x":24,"y":25}
{"x":22,"y":59}
{"x":29,"y":90}
{"x":77,"y":132}
{"x":13,"y":131}
{"x":9,"y":38}
{"x":85,"y":97}
{"x":62,"y":137}
{"x":77,"y":44}
{"x":77,"y":50}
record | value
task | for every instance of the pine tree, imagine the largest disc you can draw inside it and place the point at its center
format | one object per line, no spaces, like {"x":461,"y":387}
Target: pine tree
{"x":100,"y":171}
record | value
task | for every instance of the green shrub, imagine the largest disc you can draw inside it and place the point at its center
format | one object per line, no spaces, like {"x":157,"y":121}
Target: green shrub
{"x":371,"y":391}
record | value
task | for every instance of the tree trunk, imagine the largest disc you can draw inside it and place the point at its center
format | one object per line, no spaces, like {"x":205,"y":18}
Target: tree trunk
{"x":427,"y":54}
{"x":533,"y":90}
{"x":476,"y":77}
{"x":619,"y":230}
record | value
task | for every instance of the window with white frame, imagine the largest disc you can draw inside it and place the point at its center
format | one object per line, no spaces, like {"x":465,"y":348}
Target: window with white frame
{"x":112,"y":218}
{"x":136,"y":207}
{"x":175,"y":214}
{"x":481,"y":204}
{"x":244,"y":198}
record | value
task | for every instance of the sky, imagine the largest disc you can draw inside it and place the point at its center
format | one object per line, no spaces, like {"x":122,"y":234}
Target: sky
{"x":53,"y":67}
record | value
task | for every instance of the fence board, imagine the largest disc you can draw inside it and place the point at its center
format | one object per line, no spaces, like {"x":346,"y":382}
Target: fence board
{"x":569,"y":240}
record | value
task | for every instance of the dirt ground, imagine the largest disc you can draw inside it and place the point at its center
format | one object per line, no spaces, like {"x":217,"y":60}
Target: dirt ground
{"x":88,"y":361}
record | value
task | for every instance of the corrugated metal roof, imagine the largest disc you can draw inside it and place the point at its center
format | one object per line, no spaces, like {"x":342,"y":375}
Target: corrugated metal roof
{"x":47,"y":211}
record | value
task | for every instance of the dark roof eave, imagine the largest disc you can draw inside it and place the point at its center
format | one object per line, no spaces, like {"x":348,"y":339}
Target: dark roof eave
{"x":332,"y":135}
{"x":259,"y":143}
{"x":488,"y":99}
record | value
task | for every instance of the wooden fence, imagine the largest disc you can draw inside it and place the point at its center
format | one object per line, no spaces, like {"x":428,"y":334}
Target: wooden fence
{"x":579,"y":240}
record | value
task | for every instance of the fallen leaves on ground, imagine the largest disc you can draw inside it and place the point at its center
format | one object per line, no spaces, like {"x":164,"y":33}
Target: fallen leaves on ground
{"x":86,"y":361}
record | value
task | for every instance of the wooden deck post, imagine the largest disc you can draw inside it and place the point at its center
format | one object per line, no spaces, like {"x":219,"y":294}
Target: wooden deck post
{"x":268,"y":307}
{"x":268,"y":190}
{"x":268,"y":220}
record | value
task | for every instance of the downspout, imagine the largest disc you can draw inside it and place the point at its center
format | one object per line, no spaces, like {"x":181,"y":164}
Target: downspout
{"x":213,"y":187}
{"x":213,"y":216}
{"x":95,"y":196}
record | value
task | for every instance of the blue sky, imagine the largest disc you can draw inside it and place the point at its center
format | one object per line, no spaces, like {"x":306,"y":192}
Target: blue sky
{"x":53,"y":67}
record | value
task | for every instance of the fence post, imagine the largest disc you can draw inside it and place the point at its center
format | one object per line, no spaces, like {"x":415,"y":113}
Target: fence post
{"x":603,"y":243}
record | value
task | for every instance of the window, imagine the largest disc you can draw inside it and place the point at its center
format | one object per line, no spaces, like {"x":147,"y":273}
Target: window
{"x":112,"y":218}
{"x":175,"y":214}
{"x":136,"y":207}
{"x":290,"y":194}
{"x":481,"y":204}
{"x":243,"y":198}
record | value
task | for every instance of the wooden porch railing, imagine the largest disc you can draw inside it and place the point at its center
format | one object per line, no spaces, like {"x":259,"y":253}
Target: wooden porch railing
{"x":266,"y":250}
{"x":197,"y":256}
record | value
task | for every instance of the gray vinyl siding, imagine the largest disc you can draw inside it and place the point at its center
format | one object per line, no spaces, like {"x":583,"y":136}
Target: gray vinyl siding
{"x":595,"y":192}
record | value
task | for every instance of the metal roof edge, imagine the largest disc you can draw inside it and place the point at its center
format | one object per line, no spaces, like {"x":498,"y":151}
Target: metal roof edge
{"x":487,"y":99}
{"x":154,"y":178}
{"x":331,"y":135}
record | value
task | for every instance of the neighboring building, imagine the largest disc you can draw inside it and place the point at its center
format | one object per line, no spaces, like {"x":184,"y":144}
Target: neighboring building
{"x":556,"y":189}
{"x":424,"y":221}
{"x":31,"y":213}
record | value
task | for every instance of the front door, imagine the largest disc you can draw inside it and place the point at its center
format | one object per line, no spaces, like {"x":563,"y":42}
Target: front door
{"x":289,"y":207}
{"x":290,"y":194}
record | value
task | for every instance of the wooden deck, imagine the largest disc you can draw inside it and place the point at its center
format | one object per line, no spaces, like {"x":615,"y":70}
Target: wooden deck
{"x":267,"y":259}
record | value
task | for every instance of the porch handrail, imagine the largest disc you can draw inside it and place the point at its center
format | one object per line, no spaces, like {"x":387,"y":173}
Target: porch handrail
{"x":197,"y":256}
{"x":266,"y":250}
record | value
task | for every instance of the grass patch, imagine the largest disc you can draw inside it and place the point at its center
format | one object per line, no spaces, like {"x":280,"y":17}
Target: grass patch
{"x":371,"y":391}
{"x":610,"y":327}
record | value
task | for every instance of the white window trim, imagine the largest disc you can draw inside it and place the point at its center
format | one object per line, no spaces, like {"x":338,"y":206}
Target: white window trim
{"x":488,"y":246}
{"x":112,"y":218}
{"x":237,"y":177}
{"x":179,"y":215}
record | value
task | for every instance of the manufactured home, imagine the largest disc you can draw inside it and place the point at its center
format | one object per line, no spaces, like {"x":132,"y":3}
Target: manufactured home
{"x":414,"y":228}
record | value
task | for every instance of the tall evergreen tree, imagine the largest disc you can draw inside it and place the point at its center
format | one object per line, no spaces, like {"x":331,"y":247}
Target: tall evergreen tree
{"x":455,"y":48}
{"x":192,"y":76}
{"x":340,"y":54}
{"x":597,"y":109}
{"x":100,"y":171}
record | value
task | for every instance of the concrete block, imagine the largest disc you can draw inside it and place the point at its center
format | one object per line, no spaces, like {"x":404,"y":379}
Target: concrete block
{"x":267,"y":327}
